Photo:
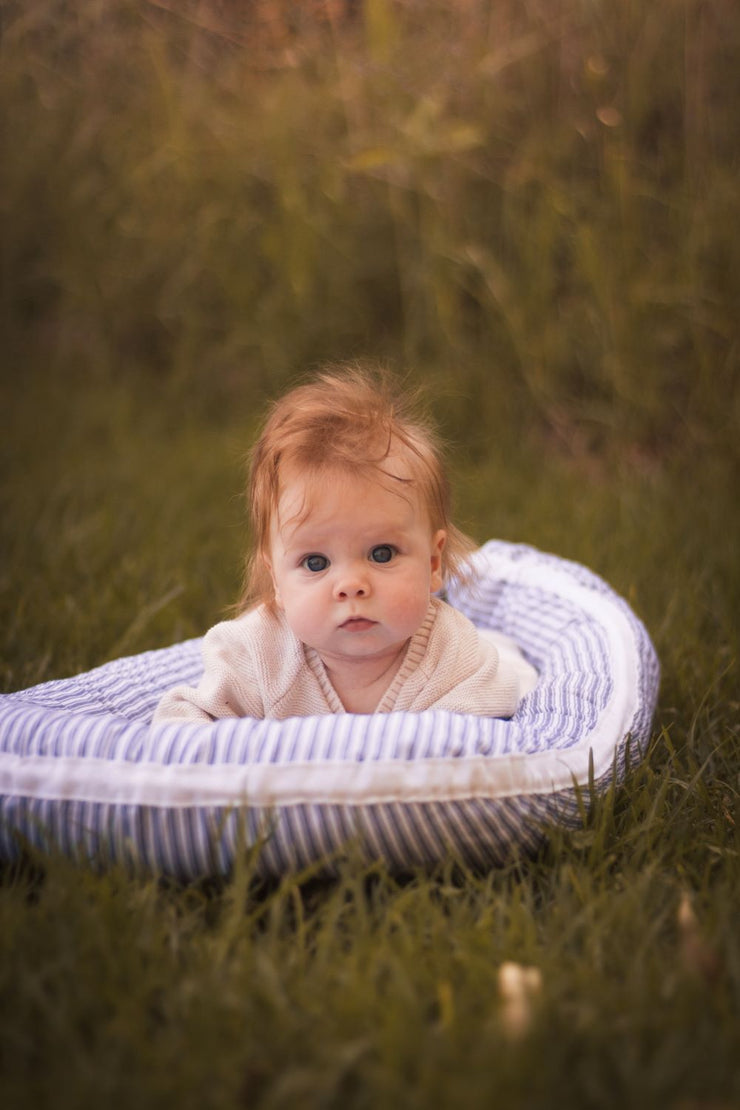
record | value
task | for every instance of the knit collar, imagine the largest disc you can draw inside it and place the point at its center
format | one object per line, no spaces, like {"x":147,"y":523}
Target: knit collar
{"x":415,"y":652}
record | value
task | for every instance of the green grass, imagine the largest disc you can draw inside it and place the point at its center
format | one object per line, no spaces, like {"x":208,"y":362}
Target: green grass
{"x":529,"y":208}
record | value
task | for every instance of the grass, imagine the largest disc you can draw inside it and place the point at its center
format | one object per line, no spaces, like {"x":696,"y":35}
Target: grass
{"x":530,"y":209}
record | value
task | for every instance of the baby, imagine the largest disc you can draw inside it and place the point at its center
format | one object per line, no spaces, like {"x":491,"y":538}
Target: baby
{"x":352,"y":538}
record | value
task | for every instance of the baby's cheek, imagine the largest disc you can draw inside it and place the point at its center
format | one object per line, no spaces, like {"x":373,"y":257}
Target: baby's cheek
{"x":410,"y":607}
{"x":302,"y":617}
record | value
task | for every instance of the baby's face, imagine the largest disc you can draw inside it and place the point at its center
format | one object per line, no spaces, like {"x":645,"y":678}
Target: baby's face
{"x":354,"y":564}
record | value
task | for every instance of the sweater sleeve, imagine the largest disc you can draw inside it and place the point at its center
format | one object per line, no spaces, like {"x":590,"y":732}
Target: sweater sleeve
{"x":462,"y":670}
{"x":510,"y":657}
{"x":230,"y":685}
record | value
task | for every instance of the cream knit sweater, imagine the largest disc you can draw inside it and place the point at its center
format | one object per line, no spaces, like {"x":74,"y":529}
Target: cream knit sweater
{"x":256,"y":667}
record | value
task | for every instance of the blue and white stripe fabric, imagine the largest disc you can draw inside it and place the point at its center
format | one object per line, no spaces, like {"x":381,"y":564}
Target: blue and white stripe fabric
{"x":83,"y":770}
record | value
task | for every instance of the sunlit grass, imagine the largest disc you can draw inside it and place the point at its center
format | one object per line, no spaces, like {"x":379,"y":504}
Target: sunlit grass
{"x":531,"y":208}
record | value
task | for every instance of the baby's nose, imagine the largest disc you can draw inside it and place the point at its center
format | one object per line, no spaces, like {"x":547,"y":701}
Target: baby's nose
{"x":351,"y":583}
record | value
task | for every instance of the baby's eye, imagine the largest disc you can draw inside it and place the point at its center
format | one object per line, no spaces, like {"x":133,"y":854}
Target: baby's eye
{"x":383,"y":553}
{"x":315,"y":563}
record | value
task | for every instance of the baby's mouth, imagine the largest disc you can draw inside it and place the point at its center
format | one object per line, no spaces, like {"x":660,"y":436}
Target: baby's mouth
{"x":357,"y":624}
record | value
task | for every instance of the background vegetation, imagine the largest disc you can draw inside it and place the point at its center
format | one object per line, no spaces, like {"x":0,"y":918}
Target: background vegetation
{"x":532,"y":209}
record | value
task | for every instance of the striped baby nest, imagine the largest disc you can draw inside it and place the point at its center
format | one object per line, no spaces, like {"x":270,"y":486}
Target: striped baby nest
{"x":83,"y":770}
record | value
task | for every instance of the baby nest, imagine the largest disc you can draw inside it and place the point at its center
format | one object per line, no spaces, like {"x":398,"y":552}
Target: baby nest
{"x":83,"y":770}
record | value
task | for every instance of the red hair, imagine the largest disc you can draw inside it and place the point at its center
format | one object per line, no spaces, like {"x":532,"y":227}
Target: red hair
{"x":351,"y":420}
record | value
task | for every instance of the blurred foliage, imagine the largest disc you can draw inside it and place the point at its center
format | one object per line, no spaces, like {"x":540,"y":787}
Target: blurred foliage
{"x":531,"y":200}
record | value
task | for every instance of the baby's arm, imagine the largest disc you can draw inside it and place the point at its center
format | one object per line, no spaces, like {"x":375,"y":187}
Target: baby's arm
{"x":511,"y":658}
{"x":228,"y":687}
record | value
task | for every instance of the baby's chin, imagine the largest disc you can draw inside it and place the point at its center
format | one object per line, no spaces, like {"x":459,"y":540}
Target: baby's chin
{"x":358,"y":647}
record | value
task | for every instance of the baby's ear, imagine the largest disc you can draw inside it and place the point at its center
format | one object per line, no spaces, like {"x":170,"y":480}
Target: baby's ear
{"x":439,"y":539}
